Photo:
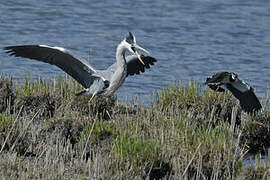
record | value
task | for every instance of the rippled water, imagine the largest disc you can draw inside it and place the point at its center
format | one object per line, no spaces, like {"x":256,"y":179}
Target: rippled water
{"x":190,"y":39}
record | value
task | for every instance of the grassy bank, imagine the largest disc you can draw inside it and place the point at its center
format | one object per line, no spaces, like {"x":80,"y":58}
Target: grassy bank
{"x":48,"y":133}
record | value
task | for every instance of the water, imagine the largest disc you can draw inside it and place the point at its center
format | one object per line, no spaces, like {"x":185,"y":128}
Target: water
{"x":190,"y":39}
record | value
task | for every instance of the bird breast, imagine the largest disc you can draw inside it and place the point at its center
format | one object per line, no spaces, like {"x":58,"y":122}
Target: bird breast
{"x":117,"y":80}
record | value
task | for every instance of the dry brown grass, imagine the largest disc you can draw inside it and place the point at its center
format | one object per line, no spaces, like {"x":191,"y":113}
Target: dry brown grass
{"x":48,"y":133}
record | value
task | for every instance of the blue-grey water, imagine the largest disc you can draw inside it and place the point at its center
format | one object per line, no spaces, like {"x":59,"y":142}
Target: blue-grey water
{"x":190,"y":39}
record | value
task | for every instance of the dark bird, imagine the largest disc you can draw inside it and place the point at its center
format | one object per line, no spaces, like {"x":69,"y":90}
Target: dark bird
{"x":95,"y":82}
{"x":241,"y":90}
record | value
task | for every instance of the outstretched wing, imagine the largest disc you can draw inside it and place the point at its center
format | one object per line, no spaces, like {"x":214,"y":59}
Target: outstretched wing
{"x":134,"y":66}
{"x":79,"y":70}
{"x":241,"y":90}
{"x":248,"y":100}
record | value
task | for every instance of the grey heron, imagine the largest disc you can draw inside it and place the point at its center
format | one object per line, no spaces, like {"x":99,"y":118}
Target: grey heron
{"x":94,"y":82}
{"x":241,"y":90}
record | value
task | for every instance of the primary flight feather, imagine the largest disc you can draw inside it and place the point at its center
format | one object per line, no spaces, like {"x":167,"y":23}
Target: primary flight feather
{"x":95,"y":82}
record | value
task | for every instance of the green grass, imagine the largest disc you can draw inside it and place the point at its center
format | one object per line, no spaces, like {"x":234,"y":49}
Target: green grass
{"x":135,"y":152}
{"x":6,"y":122}
{"x":189,"y":133}
{"x":98,"y":131}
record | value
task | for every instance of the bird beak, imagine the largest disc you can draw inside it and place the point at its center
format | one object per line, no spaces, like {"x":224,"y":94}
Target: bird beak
{"x":139,"y":57}
{"x":212,"y":81}
{"x":140,"y":48}
{"x":137,"y":54}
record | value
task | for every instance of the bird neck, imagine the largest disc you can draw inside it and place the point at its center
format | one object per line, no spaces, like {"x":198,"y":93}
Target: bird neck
{"x":120,"y":55}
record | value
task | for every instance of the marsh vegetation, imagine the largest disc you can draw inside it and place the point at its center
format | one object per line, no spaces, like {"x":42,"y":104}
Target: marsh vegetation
{"x":187,"y":133}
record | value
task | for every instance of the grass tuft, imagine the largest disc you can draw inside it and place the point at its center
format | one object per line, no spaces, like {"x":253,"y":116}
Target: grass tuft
{"x":189,"y":132}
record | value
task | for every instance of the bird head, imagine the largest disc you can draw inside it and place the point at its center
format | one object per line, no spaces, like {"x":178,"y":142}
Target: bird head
{"x":233,"y":77}
{"x":221,"y":78}
{"x":130,"y":42}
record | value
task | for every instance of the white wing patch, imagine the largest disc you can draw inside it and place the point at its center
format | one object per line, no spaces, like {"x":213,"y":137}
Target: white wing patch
{"x":55,"y":47}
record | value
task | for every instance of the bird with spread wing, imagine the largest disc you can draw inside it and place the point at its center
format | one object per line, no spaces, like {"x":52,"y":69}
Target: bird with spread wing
{"x":241,"y":90}
{"x":95,"y":82}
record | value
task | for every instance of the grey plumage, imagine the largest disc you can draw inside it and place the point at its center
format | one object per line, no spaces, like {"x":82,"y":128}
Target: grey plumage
{"x":95,"y":82}
{"x":241,"y":90}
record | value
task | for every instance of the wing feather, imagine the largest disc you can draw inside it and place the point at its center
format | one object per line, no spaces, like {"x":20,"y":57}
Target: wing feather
{"x":134,"y":66}
{"x":248,"y":100}
{"x":241,"y":90}
{"x":60,"y":57}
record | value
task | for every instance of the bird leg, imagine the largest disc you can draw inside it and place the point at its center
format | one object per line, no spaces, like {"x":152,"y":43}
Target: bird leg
{"x":89,"y":102}
{"x":92,"y":97}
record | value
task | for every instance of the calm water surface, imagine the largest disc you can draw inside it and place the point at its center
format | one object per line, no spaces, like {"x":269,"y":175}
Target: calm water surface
{"x":190,"y":39}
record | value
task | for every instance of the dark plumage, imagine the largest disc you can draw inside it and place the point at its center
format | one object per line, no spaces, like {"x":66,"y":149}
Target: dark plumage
{"x":241,"y":90}
{"x":135,"y":67}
